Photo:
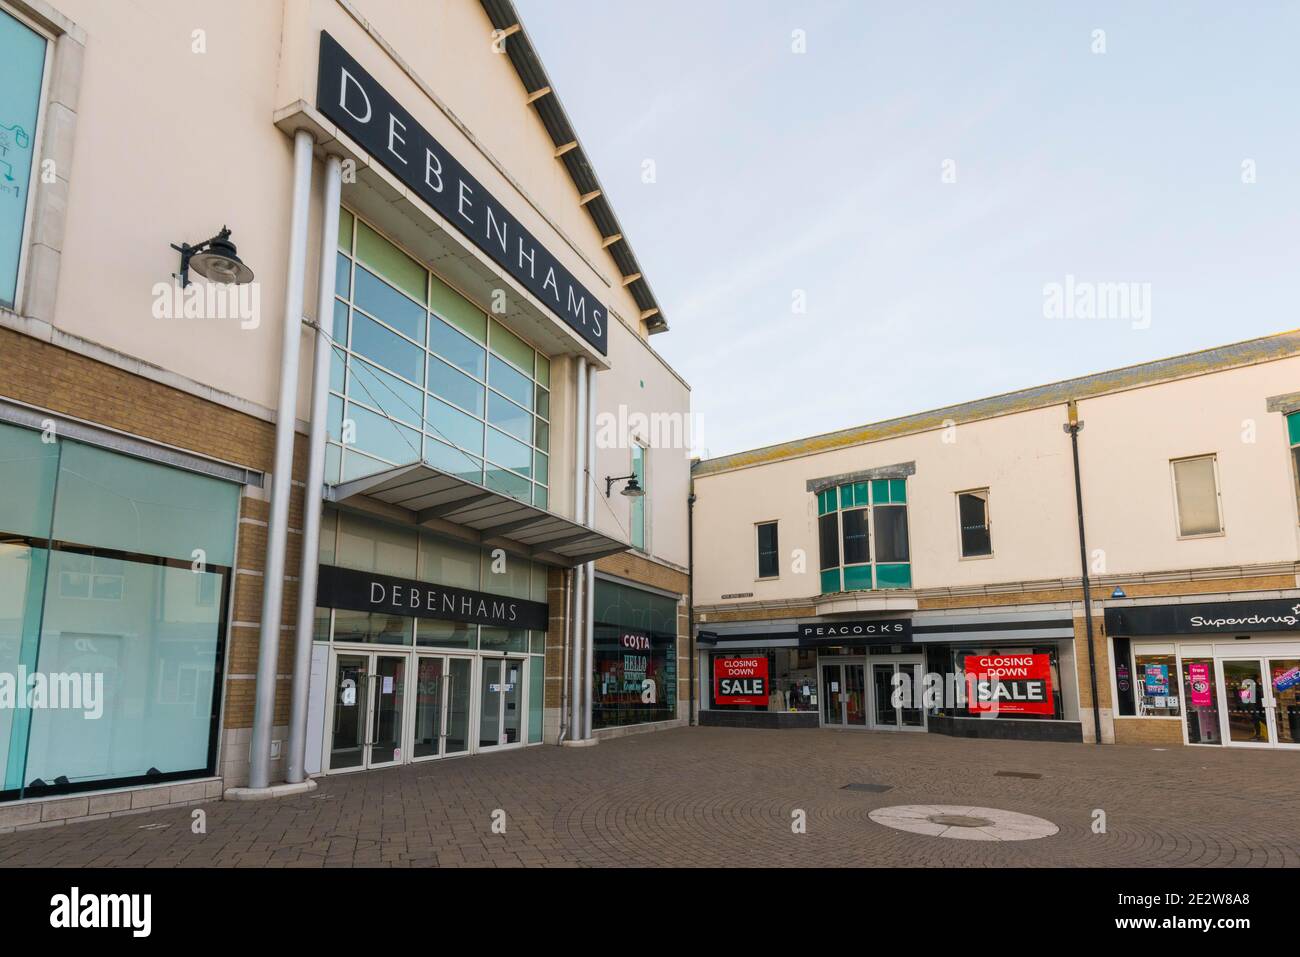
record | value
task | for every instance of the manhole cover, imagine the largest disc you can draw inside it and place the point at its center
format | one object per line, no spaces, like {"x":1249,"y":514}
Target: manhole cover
{"x":873,"y":788}
{"x":1016,"y":774}
{"x":960,"y":822}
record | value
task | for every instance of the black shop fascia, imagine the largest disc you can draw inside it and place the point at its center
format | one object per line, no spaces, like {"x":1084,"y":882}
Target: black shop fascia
{"x":365,"y":591}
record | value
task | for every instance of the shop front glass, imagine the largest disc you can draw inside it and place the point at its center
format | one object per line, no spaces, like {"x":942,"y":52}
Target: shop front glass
{"x":114,"y":583}
{"x":635,"y":656}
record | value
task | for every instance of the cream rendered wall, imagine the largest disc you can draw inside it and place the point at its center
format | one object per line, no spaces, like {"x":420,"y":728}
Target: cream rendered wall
{"x":1024,"y":459}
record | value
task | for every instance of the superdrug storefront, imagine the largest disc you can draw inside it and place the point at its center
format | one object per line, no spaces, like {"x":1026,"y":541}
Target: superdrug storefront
{"x":1227,"y":672}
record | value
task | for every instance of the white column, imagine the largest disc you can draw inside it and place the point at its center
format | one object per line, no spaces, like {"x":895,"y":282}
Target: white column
{"x":579,"y":581}
{"x":277,"y":533}
{"x":314,"y":496}
{"x":589,"y":618}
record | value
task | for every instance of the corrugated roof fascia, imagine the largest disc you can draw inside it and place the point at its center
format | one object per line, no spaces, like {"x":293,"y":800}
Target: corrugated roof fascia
{"x":504,"y":10}
{"x":1282,"y":345}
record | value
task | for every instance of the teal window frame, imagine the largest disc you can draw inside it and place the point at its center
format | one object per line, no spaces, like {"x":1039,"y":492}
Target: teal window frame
{"x":871,"y":575}
{"x":1293,"y":437}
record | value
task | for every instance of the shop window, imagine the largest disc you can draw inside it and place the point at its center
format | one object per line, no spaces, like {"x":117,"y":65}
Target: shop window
{"x":769,"y":559}
{"x":1201,"y":696}
{"x":503,"y":639}
{"x":635,"y":656}
{"x":790,"y":680}
{"x":445,"y":634}
{"x":117,"y":575}
{"x":1196,"y":494}
{"x":23,"y":52}
{"x":374,"y":628}
{"x":973,"y":523}
{"x":1157,"y":685}
{"x":952,"y":660}
{"x":849,"y":517}
{"x":371,"y":546}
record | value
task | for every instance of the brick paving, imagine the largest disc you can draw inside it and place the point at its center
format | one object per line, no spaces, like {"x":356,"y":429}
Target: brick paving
{"x":725,"y":797}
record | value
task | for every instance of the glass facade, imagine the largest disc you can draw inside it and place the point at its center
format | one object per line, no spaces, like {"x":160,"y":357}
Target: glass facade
{"x":22,"y":53}
{"x":635,"y":656}
{"x":114,"y":579}
{"x":862,"y":536}
{"x":420,"y":373}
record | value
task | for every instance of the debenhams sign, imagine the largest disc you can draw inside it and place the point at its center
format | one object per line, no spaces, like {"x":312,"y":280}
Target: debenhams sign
{"x":361,"y":591}
{"x":368,"y":113}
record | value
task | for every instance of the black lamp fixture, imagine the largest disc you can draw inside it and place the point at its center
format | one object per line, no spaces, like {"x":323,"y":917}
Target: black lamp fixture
{"x":213,"y":259}
{"x":633,"y":488}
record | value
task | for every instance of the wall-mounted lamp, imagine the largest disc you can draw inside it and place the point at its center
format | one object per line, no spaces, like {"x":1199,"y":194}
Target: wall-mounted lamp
{"x":213,"y":259}
{"x":1118,"y":593}
{"x":633,"y":488}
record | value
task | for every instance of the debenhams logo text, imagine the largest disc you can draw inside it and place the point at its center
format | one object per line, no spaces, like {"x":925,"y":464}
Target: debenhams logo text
{"x":75,"y":909}
{"x":433,"y":601}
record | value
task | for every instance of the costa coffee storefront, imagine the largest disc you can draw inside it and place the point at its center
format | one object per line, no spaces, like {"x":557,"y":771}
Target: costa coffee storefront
{"x":844,"y":674}
{"x":1227,"y":672}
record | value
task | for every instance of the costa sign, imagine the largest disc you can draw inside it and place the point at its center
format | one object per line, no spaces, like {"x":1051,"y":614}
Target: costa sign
{"x":1009,"y":684}
{"x":882,"y":631}
{"x":365,"y":111}
{"x":740,"y":680}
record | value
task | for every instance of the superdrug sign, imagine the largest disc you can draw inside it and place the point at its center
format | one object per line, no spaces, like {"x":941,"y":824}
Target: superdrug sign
{"x":361,"y":591}
{"x":879,"y":631}
{"x":1210,"y":618}
{"x":365,"y":111}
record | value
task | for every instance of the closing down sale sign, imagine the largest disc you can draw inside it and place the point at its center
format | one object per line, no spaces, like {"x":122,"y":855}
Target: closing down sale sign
{"x":740,"y":680}
{"x":1009,"y":684}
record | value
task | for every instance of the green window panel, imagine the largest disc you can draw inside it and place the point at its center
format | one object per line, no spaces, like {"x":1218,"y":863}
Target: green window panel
{"x":453,"y":426}
{"x":1293,"y":427}
{"x":541,"y":467}
{"x":543,"y":403}
{"x":510,"y":382}
{"x":453,"y":461}
{"x":879,"y":491}
{"x":898,"y":491}
{"x":540,"y":496}
{"x":509,"y":417}
{"x":336,"y":371}
{"x":543,"y":436}
{"x":637,"y":511}
{"x":827,"y":501}
{"x":339,"y":331}
{"x":356,"y":465}
{"x":543,"y":371}
{"x":28,"y":467}
{"x":391,"y":263}
{"x":831,"y":581}
{"x":345,"y":230}
{"x":536,"y":697}
{"x":334,"y":419}
{"x":857,"y":577}
{"x":378,"y":389}
{"x":508,"y":483}
{"x":380,"y":436}
{"x":894,"y":576}
{"x":455,"y":386}
{"x":503,"y":450}
{"x":457,"y":310}
{"x":385,"y":303}
{"x":509,"y":346}
{"x":387,"y":348}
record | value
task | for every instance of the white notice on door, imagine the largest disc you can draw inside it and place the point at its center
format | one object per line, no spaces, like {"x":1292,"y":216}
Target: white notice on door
{"x":388,"y":684}
{"x":835,"y":686}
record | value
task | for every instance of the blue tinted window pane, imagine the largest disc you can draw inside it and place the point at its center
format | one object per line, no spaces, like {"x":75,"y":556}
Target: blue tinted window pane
{"x":508,"y":483}
{"x":511,"y":382}
{"x":454,"y":426}
{"x":452,"y":461}
{"x":375,"y":387}
{"x":383,"y":437}
{"x":355,"y":465}
{"x":455,"y":387}
{"x":504,"y":414}
{"x":336,"y":371}
{"x":22,"y":63}
{"x":391,"y":351}
{"x":458,"y":349}
{"x":540,"y":496}
{"x":384,"y":302}
{"x":334,"y":421}
{"x":503,"y":450}
{"x":339,"y":333}
{"x":541,"y":467}
{"x":342,"y":276}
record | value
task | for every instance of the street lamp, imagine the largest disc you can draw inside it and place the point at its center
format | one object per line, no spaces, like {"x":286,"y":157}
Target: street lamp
{"x":633,"y":488}
{"x":213,"y":259}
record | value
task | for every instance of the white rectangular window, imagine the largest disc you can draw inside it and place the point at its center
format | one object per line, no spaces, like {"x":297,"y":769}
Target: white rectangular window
{"x":1196,"y":492}
{"x":973,"y":523}
{"x":23,"y":52}
{"x":769,"y":565}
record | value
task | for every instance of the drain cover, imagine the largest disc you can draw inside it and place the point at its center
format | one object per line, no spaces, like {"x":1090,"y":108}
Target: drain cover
{"x":1016,"y":774}
{"x":873,"y":788}
{"x":959,"y":820}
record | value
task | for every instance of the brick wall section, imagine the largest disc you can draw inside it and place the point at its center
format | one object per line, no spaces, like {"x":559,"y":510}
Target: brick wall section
{"x":1160,"y":732}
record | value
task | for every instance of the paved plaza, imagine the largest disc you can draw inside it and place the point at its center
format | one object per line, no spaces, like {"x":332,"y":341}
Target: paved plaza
{"x":730,"y":797}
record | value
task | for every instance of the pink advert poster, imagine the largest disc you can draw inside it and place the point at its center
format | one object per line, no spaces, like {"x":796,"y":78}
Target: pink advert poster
{"x":1198,"y":676}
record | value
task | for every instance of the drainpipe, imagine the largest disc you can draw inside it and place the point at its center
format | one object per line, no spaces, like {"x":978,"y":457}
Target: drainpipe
{"x":589,"y":612}
{"x":579,"y":578}
{"x":564,"y":662}
{"x":277,"y":532}
{"x":1074,"y":426}
{"x":690,"y":597}
{"x":313,"y":497}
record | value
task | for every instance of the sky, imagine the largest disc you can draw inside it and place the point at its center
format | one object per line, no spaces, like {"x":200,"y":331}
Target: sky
{"x":917,"y":209}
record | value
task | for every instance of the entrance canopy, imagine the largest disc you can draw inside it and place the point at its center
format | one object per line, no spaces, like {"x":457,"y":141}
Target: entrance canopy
{"x":429,"y":495}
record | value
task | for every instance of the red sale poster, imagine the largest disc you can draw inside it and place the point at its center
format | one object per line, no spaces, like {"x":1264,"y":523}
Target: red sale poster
{"x":1009,"y":684}
{"x":740,"y":680}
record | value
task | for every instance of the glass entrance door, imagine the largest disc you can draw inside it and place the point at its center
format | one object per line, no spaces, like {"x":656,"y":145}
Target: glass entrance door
{"x":442,"y":694}
{"x":1284,"y":683}
{"x":908,"y":715}
{"x":1248,"y":702}
{"x":501,"y":718}
{"x":368,"y":708}
{"x":844,"y":695}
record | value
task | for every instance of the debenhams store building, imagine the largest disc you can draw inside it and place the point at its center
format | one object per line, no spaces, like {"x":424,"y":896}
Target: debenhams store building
{"x":428,"y":452}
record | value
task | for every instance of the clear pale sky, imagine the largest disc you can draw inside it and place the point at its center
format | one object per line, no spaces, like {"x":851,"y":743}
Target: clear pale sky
{"x":822,"y":172}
